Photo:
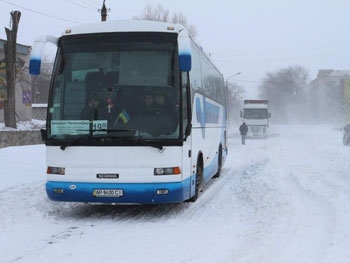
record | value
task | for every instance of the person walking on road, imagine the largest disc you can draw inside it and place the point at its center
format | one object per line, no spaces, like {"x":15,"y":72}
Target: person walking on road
{"x":243,"y":129}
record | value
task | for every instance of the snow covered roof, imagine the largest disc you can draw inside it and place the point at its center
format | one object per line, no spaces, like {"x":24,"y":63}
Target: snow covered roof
{"x":22,"y":49}
{"x":333,"y":73}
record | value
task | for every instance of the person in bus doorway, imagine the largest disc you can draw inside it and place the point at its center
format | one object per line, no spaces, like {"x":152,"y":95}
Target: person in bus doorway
{"x":243,"y":129}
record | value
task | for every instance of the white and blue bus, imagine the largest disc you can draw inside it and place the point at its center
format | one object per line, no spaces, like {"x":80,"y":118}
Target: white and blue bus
{"x":104,"y":144}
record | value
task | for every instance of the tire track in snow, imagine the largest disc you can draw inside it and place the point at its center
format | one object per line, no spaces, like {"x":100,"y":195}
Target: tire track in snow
{"x":293,"y":172}
{"x":285,"y":215}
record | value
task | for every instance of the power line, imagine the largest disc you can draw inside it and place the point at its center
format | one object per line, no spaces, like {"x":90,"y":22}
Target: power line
{"x":277,"y":55}
{"x":93,"y":3}
{"x":86,"y":7}
{"x":243,"y":80}
{"x":40,"y":13}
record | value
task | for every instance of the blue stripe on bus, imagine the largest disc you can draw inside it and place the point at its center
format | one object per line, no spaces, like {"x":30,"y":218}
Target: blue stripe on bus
{"x":139,"y":193}
{"x":211,"y":112}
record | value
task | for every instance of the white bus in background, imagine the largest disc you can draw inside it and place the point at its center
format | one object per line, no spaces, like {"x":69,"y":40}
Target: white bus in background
{"x":256,"y":115}
{"x":122,"y":155}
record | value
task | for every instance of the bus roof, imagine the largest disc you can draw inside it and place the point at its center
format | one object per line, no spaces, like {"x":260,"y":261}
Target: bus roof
{"x":123,"y":26}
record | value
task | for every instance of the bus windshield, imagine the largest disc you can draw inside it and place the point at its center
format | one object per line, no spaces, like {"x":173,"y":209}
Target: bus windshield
{"x":255,"y":114}
{"x":115,"y":85}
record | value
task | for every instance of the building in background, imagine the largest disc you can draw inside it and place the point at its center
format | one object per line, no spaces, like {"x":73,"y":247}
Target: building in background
{"x":23,"y":83}
{"x":330,"y":96}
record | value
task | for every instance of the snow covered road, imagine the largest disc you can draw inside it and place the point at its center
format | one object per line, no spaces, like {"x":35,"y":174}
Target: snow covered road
{"x":281,"y":199}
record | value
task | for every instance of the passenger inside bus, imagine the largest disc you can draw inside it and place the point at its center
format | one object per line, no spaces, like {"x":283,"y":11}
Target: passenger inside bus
{"x":163,"y":103}
{"x":92,"y":110}
{"x":153,"y":116}
{"x":153,"y":105}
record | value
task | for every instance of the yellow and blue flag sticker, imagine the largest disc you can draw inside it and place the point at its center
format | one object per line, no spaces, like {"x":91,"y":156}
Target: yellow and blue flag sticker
{"x":124,"y":116}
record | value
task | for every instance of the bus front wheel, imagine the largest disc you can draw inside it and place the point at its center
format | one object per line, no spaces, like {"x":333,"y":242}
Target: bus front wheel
{"x":199,"y":177}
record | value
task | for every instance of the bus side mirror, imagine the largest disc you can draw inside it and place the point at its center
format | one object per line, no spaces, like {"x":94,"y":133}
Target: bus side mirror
{"x":37,"y":53}
{"x":241,"y":114}
{"x":185,"y":62}
{"x":184,"y":46}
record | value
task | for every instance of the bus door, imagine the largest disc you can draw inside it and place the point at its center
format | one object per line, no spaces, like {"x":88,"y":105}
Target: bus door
{"x":187,"y":133}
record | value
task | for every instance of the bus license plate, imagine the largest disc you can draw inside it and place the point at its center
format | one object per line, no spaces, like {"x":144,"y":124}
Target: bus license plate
{"x":107,"y":192}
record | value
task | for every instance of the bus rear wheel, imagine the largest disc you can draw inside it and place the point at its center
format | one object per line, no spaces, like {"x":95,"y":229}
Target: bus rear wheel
{"x":218,"y":173}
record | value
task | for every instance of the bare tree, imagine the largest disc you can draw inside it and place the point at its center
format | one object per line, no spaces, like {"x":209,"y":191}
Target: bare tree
{"x":286,"y":90}
{"x":10,"y":57}
{"x":154,"y":14}
{"x":160,"y":14}
{"x":182,"y":19}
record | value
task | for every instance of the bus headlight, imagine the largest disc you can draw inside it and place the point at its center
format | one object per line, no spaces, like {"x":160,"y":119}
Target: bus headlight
{"x":55,"y":170}
{"x":167,"y":170}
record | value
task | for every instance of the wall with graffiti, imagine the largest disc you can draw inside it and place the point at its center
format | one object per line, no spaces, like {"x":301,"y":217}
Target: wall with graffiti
{"x":23,"y":83}
{"x":3,"y":89}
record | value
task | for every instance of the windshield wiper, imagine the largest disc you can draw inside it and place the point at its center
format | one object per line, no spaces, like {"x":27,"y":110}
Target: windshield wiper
{"x":130,"y":138}
{"x":91,"y":135}
{"x":88,"y":135}
{"x":151,"y":144}
{"x":135,"y":140}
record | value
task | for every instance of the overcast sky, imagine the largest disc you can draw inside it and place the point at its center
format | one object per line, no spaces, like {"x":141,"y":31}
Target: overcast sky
{"x":251,"y":36}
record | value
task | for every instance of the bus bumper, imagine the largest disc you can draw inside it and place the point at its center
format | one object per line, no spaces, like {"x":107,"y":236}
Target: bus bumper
{"x":123,"y":193}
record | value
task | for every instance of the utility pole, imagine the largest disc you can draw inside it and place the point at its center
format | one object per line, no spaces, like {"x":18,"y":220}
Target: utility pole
{"x":104,"y":12}
{"x":10,"y":59}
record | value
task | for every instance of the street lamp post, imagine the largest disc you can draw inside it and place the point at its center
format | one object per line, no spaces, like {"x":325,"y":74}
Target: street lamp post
{"x":238,"y":73}
{"x":226,"y":86}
